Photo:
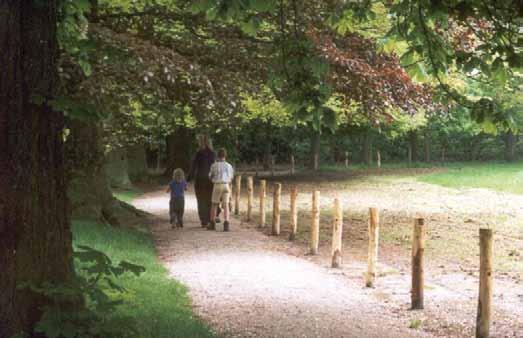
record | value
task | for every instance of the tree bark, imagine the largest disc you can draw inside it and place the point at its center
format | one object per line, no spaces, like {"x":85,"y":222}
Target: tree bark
{"x":89,"y":189}
{"x":35,"y":235}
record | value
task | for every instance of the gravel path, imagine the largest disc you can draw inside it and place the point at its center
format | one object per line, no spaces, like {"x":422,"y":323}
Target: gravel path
{"x":245,"y":284}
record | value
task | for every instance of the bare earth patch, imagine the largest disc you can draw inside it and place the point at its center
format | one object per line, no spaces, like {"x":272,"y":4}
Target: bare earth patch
{"x":247,"y":284}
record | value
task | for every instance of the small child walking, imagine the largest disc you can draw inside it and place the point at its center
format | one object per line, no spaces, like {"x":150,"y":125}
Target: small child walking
{"x":177,"y":189}
{"x":221,"y":175}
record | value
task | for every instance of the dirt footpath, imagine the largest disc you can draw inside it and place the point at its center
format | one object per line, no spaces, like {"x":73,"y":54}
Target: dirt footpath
{"x":244,"y":284}
{"x":248,"y":284}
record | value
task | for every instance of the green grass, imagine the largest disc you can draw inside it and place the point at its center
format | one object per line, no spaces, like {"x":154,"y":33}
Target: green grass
{"x":505,"y":177}
{"x":127,"y":195}
{"x":159,"y":305}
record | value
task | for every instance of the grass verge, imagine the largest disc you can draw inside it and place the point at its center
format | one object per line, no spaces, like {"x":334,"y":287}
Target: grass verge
{"x":505,"y":177}
{"x":127,"y":195}
{"x":159,"y":305}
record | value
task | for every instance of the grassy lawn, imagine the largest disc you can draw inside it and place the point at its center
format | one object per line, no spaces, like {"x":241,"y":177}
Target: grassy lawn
{"x":159,"y":305}
{"x":506,"y":177}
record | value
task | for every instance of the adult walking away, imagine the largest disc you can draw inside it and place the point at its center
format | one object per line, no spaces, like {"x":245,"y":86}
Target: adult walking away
{"x":203,"y":186}
{"x":221,"y":174}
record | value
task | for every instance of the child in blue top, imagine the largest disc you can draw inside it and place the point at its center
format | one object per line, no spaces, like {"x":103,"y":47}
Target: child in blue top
{"x":177,"y":189}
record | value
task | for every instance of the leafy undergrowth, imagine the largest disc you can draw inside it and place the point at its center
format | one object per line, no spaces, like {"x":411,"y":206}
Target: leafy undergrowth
{"x":159,"y":306}
{"x":505,"y":177}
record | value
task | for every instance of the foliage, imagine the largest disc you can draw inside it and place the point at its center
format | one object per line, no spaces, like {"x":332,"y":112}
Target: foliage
{"x":207,"y":65}
{"x":84,"y":307}
{"x":376,"y":80}
{"x":468,"y":36}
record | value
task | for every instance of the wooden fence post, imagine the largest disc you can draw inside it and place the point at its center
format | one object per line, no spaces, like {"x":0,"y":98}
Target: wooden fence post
{"x":249,"y":197}
{"x":372,"y":259}
{"x":346,"y":159}
{"x":292,"y":164}
{"x":485,"y":284}
{"x":378,"y":158}
{"x":337,"y":234}
{"x":263,"y":186}
{"x":418,"y":247}
{"x":237,"y":189}
{"x":316,"y":162}
{"x":276,"y":209}
{"x":294,"y":213}
{"x":315,"y":226}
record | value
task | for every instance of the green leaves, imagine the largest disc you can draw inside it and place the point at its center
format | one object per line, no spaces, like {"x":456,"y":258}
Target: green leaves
{"x":251,"y":26}
{"x":85,"y":306}
{"x":418,"y":72}
{"x":499,"y":72}
{"x":76,"y":109}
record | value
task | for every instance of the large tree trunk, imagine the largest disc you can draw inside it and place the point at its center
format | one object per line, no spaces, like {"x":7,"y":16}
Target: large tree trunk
{"x":89,"y":189}
{"x":510,"y":141}
{"x":179,"y":150}
{"x":35,"y":235}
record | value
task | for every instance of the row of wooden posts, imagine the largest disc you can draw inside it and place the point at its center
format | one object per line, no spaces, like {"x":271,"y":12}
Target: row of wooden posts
{"x":418,"y":244}
{"x":316,"y":164}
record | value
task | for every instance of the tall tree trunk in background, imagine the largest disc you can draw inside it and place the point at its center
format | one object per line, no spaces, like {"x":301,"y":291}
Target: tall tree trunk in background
{"x":444,"y":147}
{"x":137,"y":160}
{"x":117,"y":168}
{"x":426,"y":145}
{"x":35,"y":235}
{"x":179,"y":150}
{"x":413,"y":146}
{"x":475,"y":147}
{"x":367,"y":148}
{"x":315,"y":150}
{"x":335,"y":151}
{"x":510,"y":141}
{"x":267,"y":158}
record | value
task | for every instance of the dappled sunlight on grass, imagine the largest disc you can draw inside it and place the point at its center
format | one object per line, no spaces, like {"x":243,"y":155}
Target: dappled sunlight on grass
{"x":159,"y":305}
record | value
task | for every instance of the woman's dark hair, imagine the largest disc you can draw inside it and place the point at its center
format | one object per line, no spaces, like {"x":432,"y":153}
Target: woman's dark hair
{"x":222,"y":153}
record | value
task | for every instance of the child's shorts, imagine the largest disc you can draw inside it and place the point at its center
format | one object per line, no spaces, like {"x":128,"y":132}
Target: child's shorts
{"x":221,"y":192}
